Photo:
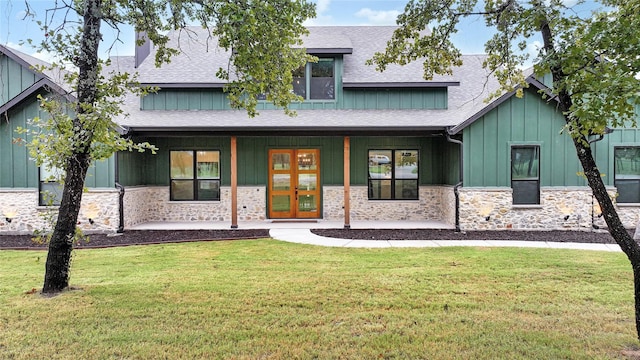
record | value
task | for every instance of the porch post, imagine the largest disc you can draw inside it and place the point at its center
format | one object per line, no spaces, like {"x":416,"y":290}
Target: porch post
{"x":234,"y":183}
{"x":347,"y":182}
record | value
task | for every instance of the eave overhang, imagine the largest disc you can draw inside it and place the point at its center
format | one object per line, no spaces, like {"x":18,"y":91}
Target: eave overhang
{"x":284,"y":131}
{"x":435,"y":84}
{"x":43,"y":83}
{"x":190,"y":85}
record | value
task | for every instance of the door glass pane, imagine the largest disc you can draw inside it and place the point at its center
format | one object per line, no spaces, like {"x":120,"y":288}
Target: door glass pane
{"x":307,"y":203}
{"x":379,"y":164}
{"x":281,"y":182}
{"x":280,"y":203}
{"x":406,"y":164}
{"x":182,"y":164}
{"x":281,"y":161}
{"x":307,"y":161}
{"x":182,"y":190}
{"x":208,"y":163}
{"x":307,"y":182}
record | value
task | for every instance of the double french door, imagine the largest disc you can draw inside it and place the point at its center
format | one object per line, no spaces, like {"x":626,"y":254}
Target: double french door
{"x":294,"y":178}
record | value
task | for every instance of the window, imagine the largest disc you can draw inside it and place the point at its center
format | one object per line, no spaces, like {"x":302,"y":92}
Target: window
{"x":322,"y":82}
{"x":525,"y":174}
{"x":393,"y":174}
{"x":195,"y":175}
{"x":314,"y":81}
{"x":627,"y":174}
{"x":50,"y":188}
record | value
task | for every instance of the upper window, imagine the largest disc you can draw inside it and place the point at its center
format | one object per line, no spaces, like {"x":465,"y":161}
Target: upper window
{"x":393,"y":174}
{"x":195,"y":175}
{"x":315,"y":81}
{"x":50,"y":188}
{"x":525,"y":174}
{"x":627,"y":174}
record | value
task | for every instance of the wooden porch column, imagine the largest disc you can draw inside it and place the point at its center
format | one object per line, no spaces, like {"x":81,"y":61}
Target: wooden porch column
{"x":234,"y":183}
{"x":347,"y":183}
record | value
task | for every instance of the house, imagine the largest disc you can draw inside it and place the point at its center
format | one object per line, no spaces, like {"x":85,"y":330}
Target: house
{"x":364,"y":146}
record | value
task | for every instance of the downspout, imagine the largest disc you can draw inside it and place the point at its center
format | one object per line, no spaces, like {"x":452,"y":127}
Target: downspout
{"x":122,"y":130}
{"x":120,"y":196}
{"x":456,"y":187}
{"x":607,"y":130}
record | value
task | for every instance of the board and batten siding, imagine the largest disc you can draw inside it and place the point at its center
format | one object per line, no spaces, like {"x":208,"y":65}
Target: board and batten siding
{"x":14,"y":79}
{"x":17,"y":170}
{"x":519,"y":121}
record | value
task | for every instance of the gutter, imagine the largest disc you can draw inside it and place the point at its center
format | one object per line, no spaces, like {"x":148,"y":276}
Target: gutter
{"x":456,"y":187}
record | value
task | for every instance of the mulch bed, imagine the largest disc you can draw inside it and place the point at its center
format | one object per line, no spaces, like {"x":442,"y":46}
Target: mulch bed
{"x":595,"y":237}
{"x":138,"y":237}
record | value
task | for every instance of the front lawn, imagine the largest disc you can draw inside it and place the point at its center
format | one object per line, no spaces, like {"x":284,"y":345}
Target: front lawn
{"x":266,"y":299}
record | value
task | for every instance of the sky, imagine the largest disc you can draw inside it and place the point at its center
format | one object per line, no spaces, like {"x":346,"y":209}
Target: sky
{"x":15,"y":28}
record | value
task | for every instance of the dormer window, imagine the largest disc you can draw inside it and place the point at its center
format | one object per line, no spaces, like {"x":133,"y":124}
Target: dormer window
{"x":322,"y":86}
{"x":314,"y":81}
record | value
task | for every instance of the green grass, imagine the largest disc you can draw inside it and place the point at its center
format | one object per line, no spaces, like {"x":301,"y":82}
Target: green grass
{"x":272,"y":300}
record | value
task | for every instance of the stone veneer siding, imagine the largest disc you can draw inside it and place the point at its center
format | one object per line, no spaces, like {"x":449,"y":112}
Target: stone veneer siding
{"x":152,"y":204}
{"x":555,"y":204}
{"x":31,"y":217}
{"x":434,"y":203}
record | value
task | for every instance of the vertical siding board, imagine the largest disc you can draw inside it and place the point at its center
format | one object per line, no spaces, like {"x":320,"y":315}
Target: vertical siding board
{"x":4,"y":85}
{"x":519,"y":118}
{"x":490,"y":148}
{"x":503,"y":156}
{"x":15,"y":79}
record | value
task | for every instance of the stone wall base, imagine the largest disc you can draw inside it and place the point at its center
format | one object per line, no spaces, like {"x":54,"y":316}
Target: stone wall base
{"x":152,"y":204}
{"x":435,"y":203}
{"x":561,"y":208}
{"x":99,"y":205}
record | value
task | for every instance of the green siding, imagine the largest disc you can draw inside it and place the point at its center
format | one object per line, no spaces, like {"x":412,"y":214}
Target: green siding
{"x":529,"y":120}
{"x":253,"y":155}
{"x":18,"y":171}
{"x":431,"y":98}
{"x":438,"y":158}
{"x":14,"y":79}
{"x":153,"y":169}
{"x":375,"y":98}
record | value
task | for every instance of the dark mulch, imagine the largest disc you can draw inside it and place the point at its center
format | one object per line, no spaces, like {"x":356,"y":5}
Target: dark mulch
{"x":135,"y":237}
{"x":600,"y":237}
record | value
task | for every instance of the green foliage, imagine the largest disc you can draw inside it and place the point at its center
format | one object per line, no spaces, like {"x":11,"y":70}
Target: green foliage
{"x":62,"y":132}
{"x":598,"y":56}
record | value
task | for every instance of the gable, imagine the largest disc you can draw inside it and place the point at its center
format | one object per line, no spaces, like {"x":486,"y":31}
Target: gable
{"x":14,"y":78}
{"x":526,"y":120}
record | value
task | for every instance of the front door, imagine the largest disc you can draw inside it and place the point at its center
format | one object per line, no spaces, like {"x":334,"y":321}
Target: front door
{"x":294,"y":178}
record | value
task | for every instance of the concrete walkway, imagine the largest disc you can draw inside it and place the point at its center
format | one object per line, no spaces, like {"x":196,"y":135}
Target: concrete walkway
{"x":305,"y":236}
{"x":299,"y":232}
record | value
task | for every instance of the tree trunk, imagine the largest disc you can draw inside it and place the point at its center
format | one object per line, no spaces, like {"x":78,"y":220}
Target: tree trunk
{"x":591,"y":171}
{"x":56,"y":277}
{"x":617,"y":230}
